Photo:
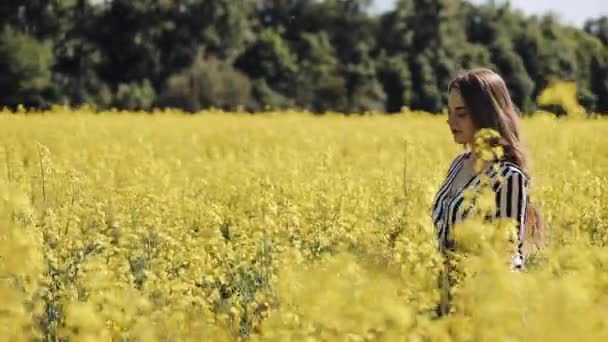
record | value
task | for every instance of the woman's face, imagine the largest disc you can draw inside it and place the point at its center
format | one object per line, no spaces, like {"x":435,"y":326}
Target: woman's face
{"x":461,"y":124}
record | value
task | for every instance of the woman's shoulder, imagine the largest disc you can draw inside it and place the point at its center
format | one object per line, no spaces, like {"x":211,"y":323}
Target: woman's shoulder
{"x":458,"y":159}
{"x":461,"y":156}
{"x":508,"y":169}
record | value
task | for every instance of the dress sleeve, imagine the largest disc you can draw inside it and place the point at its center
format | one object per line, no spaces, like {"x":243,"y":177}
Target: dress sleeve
{"x":511,"y":202}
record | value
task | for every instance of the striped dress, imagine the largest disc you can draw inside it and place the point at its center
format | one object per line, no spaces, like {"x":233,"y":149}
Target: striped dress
{"x":511,"y":200}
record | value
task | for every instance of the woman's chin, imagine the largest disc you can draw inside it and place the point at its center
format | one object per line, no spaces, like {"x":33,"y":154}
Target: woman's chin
{"x":459,"y":140}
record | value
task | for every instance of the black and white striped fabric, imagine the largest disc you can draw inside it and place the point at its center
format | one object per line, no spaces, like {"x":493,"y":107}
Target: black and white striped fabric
{"x":511,"y":201}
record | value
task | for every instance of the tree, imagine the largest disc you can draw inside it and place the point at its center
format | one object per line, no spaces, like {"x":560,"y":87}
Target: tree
{"x":77,"y":79}
{"x":586,"y":49}
{"x":598,"y":28}
{"x":494,"y":27}
{"x":599,"y":80}
{"x":128,"y":34}
{"x":25,"y":69}
{"x":208,"y":82}
{"x":396,"y":79}
{"x":319,"y":85}
{"x":223,"y":27}
{"x":270,"y":60}
{"x":510,"y":65}
{"x":365,"y":92}
{"x":438,"y":50}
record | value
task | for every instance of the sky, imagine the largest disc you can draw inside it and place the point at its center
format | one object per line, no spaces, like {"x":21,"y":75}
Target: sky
{"x":572,"y":12}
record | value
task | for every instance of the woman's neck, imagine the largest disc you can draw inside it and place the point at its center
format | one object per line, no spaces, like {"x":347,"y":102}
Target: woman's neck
{"x":472,"y":153}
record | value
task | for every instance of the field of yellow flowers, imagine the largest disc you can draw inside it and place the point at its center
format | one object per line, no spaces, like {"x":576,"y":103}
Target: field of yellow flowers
{"x":282,"y":227}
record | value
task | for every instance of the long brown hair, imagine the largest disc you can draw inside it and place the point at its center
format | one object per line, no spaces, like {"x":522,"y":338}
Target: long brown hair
{"x":489,"y":104}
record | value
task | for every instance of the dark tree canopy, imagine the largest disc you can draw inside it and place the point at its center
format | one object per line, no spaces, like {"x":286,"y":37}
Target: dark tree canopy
{"x":330,"y":55}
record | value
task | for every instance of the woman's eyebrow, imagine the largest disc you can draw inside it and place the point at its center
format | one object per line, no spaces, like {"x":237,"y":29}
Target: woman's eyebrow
{"x":461,"y":107}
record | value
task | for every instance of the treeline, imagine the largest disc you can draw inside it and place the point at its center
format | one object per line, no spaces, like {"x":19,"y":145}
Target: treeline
{"x":258,"y":54}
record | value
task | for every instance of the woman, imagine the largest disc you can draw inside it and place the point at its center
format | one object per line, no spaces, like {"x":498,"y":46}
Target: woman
{"x":479,"y":99}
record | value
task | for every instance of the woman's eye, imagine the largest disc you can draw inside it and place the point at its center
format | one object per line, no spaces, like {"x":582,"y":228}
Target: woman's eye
{"x":462,"y":115}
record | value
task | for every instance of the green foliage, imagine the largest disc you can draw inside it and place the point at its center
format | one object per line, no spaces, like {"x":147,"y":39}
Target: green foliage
{"x":511,"y":66}
{"x":427,"y":95}
{"x":135,"y":96}
{"x":599,"y":80}
{"x":25,"y":68}
{"x":598,"y":28}
{"x":269,"y":59}
{"x":396,"y":79}
{"x":365,"y":92}
{"x":319,"y":85}
{"x":208,"y":83}
{"x":264,"y":94}
{"x":225,"y":26}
